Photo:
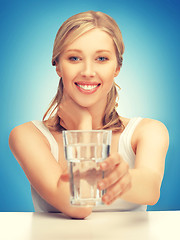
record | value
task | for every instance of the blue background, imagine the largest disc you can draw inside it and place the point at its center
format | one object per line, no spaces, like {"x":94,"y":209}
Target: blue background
{"x":149,"y":77}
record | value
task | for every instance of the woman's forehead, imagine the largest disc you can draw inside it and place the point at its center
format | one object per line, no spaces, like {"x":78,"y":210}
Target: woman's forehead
{"x":93,"y":39}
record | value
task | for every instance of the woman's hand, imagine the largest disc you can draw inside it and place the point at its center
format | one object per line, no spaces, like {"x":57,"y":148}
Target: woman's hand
{"x":117,"y":179}
{"x":73,"y":116}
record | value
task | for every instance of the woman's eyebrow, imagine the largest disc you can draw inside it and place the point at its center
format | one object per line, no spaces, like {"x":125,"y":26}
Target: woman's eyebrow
{"x":73,"y":50}
{"x":78,"y":50}
{"x":103,"y":50}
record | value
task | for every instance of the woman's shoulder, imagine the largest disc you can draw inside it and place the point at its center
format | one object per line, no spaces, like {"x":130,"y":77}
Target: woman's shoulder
{"x":24,"y":128}
{"x":148,"y":130}
{"x":148,"y":124}
{"x":26,"y":132}
{"x":151,"y":129}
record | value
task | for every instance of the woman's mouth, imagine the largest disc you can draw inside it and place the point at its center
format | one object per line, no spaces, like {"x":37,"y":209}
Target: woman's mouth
{"x":87,"y":88}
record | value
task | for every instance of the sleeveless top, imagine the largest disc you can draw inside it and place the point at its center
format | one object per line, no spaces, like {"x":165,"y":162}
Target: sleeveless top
{"x":124,"y":149}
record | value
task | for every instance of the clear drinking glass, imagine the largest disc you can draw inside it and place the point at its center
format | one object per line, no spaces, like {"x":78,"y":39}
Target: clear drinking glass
{"x":84,"y":151}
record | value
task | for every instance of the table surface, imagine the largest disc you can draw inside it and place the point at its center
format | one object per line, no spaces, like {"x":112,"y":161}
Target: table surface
{"x":153,"y":225}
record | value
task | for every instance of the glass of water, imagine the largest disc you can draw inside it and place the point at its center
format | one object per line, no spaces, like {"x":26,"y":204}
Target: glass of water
{"x":84,"y":151}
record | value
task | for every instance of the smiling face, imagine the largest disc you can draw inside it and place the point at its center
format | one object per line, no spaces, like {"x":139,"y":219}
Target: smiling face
{"x":88,"y":67}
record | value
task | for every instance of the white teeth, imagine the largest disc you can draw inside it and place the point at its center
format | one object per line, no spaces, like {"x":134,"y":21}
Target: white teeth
{"x":87,"y":87}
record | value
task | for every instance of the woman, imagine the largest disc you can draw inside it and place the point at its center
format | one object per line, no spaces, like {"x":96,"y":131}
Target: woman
{"x":87,"y":55}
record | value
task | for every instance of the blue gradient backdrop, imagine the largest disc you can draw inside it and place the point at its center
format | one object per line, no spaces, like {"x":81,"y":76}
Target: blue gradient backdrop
{"x":149,"y":78}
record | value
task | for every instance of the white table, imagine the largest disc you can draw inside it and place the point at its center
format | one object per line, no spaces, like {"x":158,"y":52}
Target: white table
{"x":99,"y":225}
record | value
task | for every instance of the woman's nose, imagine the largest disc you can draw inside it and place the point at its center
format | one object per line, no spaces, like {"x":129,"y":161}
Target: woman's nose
{"x":88,"y":70}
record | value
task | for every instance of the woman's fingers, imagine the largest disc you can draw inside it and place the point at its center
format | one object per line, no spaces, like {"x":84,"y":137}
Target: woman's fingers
{"x":73,"y":115}
{"x":111,"y":162}
{"x":115,"y":168}
{"x":114,"y":175}
{"x":63,"y":124}
{"x":117,"y":178}
{"x":117,"y":189}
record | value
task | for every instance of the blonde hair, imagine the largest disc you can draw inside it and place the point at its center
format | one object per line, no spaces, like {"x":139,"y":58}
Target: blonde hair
{"x":69,"y":31}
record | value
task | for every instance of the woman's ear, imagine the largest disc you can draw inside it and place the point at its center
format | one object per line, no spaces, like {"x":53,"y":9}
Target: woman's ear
{"x":58,"y":70}
{"x":117,"y":71}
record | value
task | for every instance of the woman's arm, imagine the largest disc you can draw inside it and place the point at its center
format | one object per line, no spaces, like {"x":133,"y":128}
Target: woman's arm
{"x":152,"y":146}
{"x":32,"y":151}
{"x":142,"y":184}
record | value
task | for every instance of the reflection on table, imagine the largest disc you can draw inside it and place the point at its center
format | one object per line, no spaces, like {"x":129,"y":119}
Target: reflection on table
{"x":99,"y":225}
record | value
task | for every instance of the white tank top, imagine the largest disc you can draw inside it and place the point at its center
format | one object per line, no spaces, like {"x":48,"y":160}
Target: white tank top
{"x":126,"y":151}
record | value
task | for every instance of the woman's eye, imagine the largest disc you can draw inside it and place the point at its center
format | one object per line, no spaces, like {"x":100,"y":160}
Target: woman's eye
{"x":74,"y":58}
{"x":102,"y":59}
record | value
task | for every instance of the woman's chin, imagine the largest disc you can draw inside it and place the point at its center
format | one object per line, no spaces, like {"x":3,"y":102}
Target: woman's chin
{"x":86,"y":105}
